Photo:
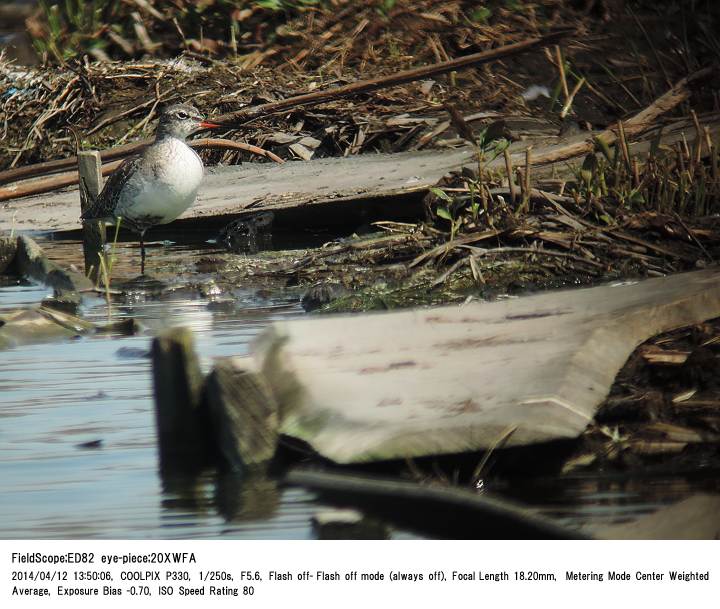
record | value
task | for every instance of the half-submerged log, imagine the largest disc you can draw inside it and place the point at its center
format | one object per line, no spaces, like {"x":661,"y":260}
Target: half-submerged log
{"x":447,"y":513}
{"x":453,"y":379}
{"x":244,"y":416}
{"x":39,"y":325}
{"x":31,"y":262}
{"x":182,"y":425}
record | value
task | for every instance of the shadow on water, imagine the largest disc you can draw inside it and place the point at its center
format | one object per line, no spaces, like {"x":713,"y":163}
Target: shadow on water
{"x":78,"y":453}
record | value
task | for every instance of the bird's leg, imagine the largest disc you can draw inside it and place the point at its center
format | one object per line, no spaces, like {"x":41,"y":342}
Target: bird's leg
{"x":142,"y":252}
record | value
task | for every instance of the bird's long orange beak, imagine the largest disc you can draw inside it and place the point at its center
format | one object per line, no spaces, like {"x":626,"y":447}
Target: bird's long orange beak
{"x":209,"y":125}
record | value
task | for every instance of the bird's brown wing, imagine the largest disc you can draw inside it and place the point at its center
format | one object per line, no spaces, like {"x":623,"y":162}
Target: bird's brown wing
{"x":104,"y":206}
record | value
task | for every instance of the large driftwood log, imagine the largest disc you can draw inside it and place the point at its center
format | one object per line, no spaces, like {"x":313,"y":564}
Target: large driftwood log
{"x":454,"y":379}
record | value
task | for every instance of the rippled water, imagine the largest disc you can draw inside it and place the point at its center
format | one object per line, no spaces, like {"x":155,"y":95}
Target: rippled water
{"x":57,"y":398}
{"x":78,"y":454}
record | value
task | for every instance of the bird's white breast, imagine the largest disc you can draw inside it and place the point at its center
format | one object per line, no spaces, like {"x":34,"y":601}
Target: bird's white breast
{"x":167,"y":183}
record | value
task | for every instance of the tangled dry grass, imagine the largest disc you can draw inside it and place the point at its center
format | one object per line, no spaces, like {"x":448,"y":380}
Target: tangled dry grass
{"x":624,"y":55}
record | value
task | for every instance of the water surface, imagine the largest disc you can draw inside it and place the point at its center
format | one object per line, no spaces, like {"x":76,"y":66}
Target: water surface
{"x":78,"y":452}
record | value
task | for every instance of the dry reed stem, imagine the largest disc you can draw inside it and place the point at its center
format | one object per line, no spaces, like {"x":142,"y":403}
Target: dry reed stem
{"x":511,"y":179}
{"x":561,"y":70}
{"x":568,"y":103}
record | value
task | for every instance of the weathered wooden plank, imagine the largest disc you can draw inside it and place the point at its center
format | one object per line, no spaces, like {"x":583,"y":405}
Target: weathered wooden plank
{"x":453,"y":379}
{"x":255,"y":186}
{"x":91,"y":183}
{"x":350,"y":181}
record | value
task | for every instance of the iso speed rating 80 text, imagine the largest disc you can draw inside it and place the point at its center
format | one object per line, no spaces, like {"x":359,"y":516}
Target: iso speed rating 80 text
{"x":136,"y":582}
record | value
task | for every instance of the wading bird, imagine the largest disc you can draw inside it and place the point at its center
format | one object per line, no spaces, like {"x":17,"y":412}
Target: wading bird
{"x":158,"y":186}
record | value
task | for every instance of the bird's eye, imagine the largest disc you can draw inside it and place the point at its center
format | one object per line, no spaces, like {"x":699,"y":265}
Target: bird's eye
{"x":182,"y":115}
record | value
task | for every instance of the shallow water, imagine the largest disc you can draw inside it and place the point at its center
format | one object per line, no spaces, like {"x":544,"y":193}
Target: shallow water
{"x":58,"y":397}
{"x":78,"y":453}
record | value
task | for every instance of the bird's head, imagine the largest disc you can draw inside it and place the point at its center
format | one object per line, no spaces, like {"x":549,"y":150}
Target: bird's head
{"x":181,"y":120}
